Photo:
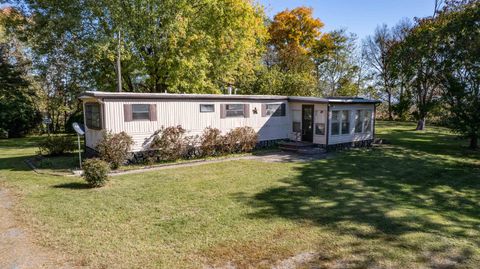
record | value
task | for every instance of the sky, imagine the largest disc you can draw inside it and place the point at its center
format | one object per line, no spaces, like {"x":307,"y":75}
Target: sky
{"x":357,"y":16}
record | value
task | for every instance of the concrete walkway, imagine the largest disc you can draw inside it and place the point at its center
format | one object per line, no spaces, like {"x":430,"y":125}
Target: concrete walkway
{"x":280,"y":156}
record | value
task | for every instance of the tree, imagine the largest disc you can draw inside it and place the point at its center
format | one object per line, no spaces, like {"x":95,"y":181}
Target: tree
{"x":338,"y":71}
{"x":166,"y":45}
{"x":293,"y":35}
{"x":377,"y":50}
{"x":459,"y":68}
{"x":18,"y":113}
{"x":420,"y":51}
{"x":403,"y":93}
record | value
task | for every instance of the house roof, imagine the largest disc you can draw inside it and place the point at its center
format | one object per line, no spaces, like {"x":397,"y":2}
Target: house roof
{"x":227,"y":97}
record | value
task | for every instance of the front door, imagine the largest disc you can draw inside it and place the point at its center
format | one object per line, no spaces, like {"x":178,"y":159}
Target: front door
{"x":307,"y":123}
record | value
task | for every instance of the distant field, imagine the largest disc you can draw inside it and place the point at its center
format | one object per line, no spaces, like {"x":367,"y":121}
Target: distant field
{"x":412,"y":203}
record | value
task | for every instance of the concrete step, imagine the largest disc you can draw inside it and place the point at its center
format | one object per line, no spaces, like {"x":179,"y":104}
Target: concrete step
{"x":311,"y":151}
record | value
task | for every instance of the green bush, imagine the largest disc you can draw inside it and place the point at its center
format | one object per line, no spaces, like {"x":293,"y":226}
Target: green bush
{"x":114,"y":148}
{"x":56,"y":145}
{"x":95,"y":172}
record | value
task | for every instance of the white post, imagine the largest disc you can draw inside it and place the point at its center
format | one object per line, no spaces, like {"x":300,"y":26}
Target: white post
{"x":79,"y":151}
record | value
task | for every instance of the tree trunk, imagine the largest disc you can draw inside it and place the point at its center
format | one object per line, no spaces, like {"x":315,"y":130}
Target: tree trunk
{"x":421,"y":125}
{"x":474,"y":142}
{"x":390,"y":116}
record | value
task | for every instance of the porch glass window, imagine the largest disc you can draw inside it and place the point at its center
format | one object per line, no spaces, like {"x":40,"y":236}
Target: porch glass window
{"x":335,"y":123}
{"x":363,"y":121}
{"x":359,"y":117}
{"x":345,"y":122}
{"x":367,"y":123}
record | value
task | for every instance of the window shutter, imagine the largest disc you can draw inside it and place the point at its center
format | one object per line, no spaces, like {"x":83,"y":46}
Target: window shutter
{"x":223,"y":111}
{"x":264,"y":110}
{"x":246,"y":110}
{"x":127,"y":112}
{"x":152,"y":111}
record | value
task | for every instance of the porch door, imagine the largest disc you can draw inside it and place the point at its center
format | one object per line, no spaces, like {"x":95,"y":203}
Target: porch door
{"x":307,"y":123}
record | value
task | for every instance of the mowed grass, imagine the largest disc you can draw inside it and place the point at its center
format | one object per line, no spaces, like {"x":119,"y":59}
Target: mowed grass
{"x":413,"y":203}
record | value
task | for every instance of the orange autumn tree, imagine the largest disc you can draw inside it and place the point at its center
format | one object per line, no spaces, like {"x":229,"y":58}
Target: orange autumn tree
{"x":295,"y":35}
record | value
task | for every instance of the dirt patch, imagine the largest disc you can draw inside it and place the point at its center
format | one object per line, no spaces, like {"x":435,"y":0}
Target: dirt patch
{"x":17,"y":250}
{"x":295,"y":261}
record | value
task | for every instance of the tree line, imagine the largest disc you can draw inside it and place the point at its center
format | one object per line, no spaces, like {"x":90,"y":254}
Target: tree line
{"x":54,"y":50}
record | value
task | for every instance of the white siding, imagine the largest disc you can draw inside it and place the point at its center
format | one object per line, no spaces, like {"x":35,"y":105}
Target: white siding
{"x":352,"y":136}
{"x":187,"y":114}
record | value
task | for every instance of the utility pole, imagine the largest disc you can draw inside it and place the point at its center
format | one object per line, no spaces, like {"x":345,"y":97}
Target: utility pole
{"x":119,"y":68}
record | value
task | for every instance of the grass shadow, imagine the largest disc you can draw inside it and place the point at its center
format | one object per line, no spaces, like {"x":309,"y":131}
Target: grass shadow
{"x":73,"y":186}
{"x":418,"y":185}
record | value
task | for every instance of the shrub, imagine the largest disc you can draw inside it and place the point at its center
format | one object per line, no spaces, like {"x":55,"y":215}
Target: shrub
{"x":56,"y":145}
{"x":240,"y":139}
{"x":95,"y":172}
{"x":191,"y":149}
{"x":114,"y":148}
{"x":169,"y":143}
{"x":211,"y":142}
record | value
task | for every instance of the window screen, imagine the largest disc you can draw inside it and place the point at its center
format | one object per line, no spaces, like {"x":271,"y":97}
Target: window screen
{"x":320,"y":128}
{"x":335,"y":123}
{"x":92,"y":116}
{"x":275,"y":110}
{"x":140,"y":112}
{"x":234,"y":110}
{"x":205,"y":108}
{"x":345,"y":122}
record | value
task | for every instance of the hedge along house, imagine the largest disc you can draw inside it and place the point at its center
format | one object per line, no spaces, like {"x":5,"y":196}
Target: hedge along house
{"x":327,"y":122}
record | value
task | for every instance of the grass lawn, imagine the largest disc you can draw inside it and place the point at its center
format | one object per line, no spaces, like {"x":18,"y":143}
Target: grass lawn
{"x":414,"y":203}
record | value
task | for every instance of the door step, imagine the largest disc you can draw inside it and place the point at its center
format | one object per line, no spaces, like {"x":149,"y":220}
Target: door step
{"x":304,"y":148}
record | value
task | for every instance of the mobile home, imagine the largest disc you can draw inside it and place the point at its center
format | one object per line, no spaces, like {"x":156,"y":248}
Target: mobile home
{"x":327,"y":122}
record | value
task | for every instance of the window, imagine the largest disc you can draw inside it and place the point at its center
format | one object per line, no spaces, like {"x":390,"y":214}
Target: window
{"x":340,"y":122}
{"x":275,"y":110}
{"x":345,"y":122}
{"x":92,"y":116}
{"x":367,"y":123}
{"x":335,"y":123}
{"x":207,"y":108}
{"x":359,"y":116}
{"x":363,"y":121}
{"x":297,"y":127}
{"x":141,"y":112}
{"x":234,"y":110}
{"x":320,"y":128}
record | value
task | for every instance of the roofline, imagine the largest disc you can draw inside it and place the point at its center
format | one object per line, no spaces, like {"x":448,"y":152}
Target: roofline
{"x":133,"y":95}
{"x":304,"y":99}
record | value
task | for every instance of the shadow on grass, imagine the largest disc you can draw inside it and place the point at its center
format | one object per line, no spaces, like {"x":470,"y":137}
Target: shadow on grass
{"x":384,"y":194}
{"x":73,"y":186}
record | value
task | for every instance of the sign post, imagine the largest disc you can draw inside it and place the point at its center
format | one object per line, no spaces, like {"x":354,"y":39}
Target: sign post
{"x":79,"y":132}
